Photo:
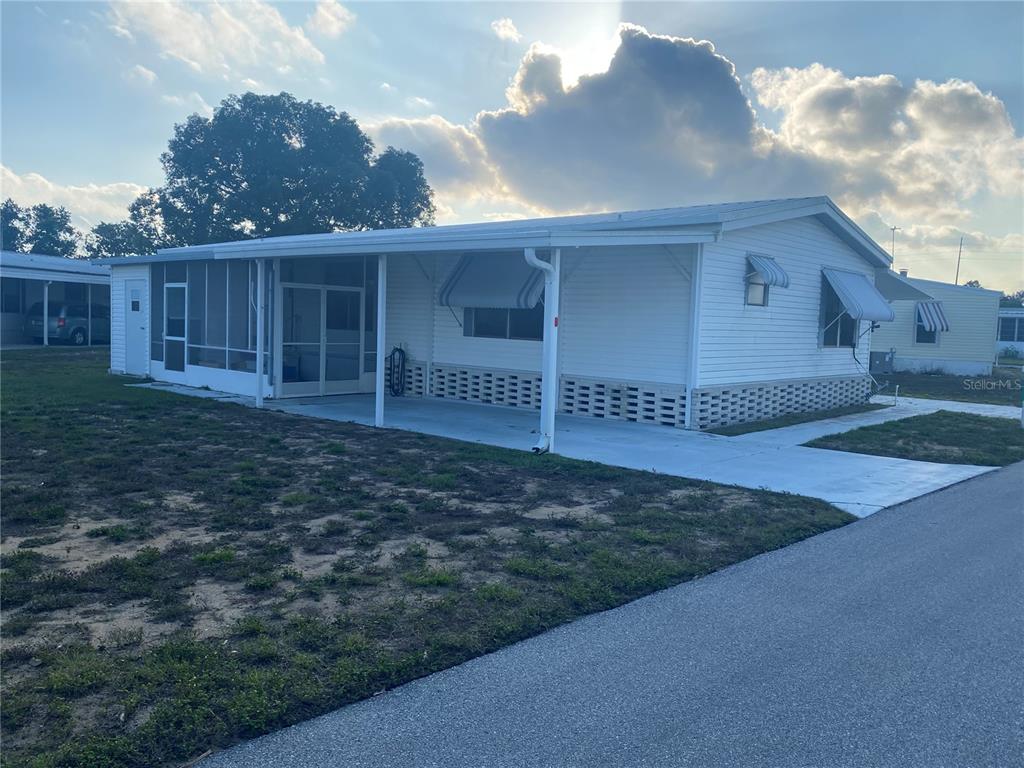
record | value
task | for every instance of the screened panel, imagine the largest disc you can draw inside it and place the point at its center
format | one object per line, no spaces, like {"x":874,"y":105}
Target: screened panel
{"x":216,"y":304}
{"x":175,"y":272}
{"x":174,"y":298}
{"x":174,"y":355}
{"x":156,"y":309}
{"x":370,"y":316}
{"x":1007,"y":329}
{"x":239,"y":305}
{"x":197,"y":302}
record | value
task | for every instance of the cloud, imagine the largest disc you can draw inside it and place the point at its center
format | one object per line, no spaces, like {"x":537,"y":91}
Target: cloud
{"x":418,"y":102}
{"x":506,"y":30}
{"x":922,"y":150}
{"x":388,"y":88}
{"x":193,"y":102}
{"x":140,"y":74}
{"x":666,"y":124}
{"x":89,"y":203}
{"x":225,"y":40}
{"x":330,"y":19}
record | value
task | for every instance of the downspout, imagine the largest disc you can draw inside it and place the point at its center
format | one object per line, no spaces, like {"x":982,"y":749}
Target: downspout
{"x":549,"y":366}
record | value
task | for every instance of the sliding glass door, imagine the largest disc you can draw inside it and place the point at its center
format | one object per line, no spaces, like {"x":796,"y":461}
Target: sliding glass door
{"x":322,"y":338}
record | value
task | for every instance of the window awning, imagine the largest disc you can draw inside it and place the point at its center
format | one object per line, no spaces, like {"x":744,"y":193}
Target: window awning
{"x":931,"y":315}
{"x":492,"y":281}
{"x":769,"y":270}
{"x":860,"y":298}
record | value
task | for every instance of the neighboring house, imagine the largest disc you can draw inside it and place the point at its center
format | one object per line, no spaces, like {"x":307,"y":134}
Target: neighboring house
{"x":688,"y":317}
{"x":46,"y":290}
{"x":939,"y":327}
{"x":1010,"y":340}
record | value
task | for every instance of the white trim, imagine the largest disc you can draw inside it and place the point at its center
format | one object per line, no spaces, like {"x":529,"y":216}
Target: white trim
{"x":261,"y":277}
{"x":693,"y":372}
{"x":382,"y":311}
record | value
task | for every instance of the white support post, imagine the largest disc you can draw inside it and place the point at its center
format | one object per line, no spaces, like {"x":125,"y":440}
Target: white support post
{"x":88,"y":303}
{"x":549,"y":366}
{"x":382,"y":297}
{"x":696,"y":297}
{"x":261,"y":272}
{"x":46,"y":313}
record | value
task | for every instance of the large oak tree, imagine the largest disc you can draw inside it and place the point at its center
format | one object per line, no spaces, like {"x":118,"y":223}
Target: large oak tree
{"x":269,"y":165}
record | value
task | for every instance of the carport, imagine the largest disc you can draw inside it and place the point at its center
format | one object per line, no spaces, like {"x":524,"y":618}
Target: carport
{"x":32,"y":281}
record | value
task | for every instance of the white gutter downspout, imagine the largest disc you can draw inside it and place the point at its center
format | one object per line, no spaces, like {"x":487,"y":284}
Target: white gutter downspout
{"x":46,"y":313}
{"x":261,"y":271}
{"x":549,"y":366}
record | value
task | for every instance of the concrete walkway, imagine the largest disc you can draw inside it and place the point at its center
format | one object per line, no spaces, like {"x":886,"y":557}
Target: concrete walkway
{"x":855,"y":482}
{"x":894,"y":641}
{"x":904,"y":408}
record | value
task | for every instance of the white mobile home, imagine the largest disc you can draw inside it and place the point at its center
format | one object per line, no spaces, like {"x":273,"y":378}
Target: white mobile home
{"x":69,"y":297}
{"x":1010,"y":342}
{"x":688,"y":317}
{"x":938,"y":327}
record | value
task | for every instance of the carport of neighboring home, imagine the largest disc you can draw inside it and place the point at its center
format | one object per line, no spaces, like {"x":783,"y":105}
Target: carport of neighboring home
{"x":683,"y":317}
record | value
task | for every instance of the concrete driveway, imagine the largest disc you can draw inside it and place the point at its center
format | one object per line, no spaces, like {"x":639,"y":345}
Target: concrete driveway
{"x":773,"y":459}
{"x":895,"y":641}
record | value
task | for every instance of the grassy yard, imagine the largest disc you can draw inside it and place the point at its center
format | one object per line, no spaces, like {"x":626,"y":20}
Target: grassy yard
{"x":1003,"y":387}
{"x":945,"y":436}
{"x":795,"y":418}
{"x":180,"y":574}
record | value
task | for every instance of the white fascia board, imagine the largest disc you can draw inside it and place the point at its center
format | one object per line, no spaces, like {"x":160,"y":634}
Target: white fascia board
{"x":627,"y":237}
{"x":54,"y":276}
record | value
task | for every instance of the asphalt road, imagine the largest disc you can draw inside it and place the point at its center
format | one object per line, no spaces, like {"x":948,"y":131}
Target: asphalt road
{"x":896,"y":641}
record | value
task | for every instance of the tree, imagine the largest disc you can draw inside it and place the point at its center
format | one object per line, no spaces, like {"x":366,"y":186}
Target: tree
{"x":52,"y":233}
{"x":140,"y":233}
{"x":399,"y":195}
{"x":266,"y":165}
{"x":1012,"y":299}
{"x":14,"y":222}
{"x":973,"y":284}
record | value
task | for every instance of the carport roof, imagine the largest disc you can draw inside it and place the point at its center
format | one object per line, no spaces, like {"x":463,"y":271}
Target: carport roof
{"x":693,"y":224}
{"x":37,"y":266}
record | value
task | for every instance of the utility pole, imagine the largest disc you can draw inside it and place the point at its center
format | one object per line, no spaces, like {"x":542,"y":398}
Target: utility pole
{"x":893,"y":251}
{"x":956,"y":280}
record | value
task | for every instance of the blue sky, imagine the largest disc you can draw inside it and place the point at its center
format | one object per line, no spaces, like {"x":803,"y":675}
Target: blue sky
{"x":91,"y":91}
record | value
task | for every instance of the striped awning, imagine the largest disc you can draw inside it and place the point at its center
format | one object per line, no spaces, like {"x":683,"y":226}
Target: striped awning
{"x":931,"y":316}
{"x":768,"y":269}
{"x":858,"y":295}
{"x":492,"y":281}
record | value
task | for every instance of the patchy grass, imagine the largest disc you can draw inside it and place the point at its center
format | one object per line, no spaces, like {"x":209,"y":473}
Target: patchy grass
{"x":1003,"y":387}
{"x":794,"y":418}
{"x":179,"y":574}
{"x":945,"y":436}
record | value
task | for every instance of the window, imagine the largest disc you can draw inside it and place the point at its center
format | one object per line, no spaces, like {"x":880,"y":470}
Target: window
{"x":136,"y":304}
{"x":837,"y":328}
{"x":1011,"y":329}
{"x":10,"y":294}
{"x":922,"y":335}
{"x":523,"y":324}
{"x":757,"y":291}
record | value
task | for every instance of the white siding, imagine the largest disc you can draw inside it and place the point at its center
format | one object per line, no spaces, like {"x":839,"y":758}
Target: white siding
{"x":410,"y":305}
{"x":118,"y":307}
{"x":740,"y":343}
{"x":626,"y":315}
{"x":972,"y":315}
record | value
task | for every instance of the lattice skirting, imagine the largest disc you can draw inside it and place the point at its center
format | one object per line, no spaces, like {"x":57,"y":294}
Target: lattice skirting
{"x":740,"y":403}
{"x":415,"y":378}
{"x":608,"y":399}
{"x":486,"y":385}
